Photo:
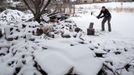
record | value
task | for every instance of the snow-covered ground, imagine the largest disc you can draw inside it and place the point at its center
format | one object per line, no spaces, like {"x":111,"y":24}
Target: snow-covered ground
{"x":121,"y":23}
{"x":28,"y":54}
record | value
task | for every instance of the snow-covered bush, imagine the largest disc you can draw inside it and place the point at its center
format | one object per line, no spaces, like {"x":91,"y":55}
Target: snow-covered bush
{"x":11,"y":16}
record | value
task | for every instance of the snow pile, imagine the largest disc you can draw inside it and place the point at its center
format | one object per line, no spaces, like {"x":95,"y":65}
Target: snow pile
{"x":12,"y":16}
{"x":22,"y":52}
{"x":36,"y":57}
{"x":18,"y":58}
{"x":68,"y":29}
{"x":20,"y":30}
{"x":60,"y":55}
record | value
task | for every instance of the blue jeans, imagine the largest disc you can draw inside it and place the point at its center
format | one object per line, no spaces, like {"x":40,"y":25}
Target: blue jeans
{"x":103,"y":23}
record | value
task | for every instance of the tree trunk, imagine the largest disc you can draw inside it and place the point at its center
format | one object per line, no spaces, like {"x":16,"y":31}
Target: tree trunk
{"x":37,"y":7}
{"x":37,"y":18}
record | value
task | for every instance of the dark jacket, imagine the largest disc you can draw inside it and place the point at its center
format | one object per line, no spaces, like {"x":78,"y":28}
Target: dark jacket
{"x":105,"y":13}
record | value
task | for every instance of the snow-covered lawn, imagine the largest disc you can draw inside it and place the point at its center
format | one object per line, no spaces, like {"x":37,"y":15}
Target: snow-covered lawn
{"x":28,"y":54}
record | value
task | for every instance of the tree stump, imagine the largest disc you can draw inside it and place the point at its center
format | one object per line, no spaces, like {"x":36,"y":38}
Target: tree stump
{"x":91,"y":30}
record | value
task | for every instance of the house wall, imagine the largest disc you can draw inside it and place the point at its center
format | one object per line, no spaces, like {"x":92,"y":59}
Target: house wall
{"x":99,"y":1}
{"x":125,"y":0}
{"x":119,"y":0}
{"x":84,"y":1}
{"x":89,"y":1}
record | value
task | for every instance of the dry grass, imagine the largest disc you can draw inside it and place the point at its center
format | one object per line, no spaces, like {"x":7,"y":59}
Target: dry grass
{"x":130,"y":10}
{"x":118,"y":9}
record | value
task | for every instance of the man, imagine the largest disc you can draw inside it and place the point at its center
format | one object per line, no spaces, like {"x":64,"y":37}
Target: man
{"x":107,"y":17}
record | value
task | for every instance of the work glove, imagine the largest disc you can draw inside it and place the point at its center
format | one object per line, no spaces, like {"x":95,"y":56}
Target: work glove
{"x":97,"y":17}
{"x":101,"y":16}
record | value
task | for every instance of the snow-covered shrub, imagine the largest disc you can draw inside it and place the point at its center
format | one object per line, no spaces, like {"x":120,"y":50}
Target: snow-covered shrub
{"x":67,"y":29}
{"x":47,"y":28}
{"x":20,"y":30}
{"x":11,"y":16}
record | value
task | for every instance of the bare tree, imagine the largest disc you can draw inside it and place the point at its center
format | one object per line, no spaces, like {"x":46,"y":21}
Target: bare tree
{"x":66,"y":6}
{"x":37,"y":7}
{"x":2,"y":2}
